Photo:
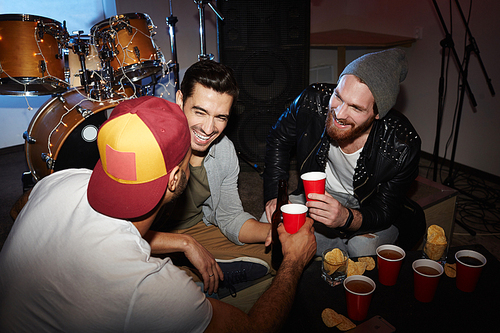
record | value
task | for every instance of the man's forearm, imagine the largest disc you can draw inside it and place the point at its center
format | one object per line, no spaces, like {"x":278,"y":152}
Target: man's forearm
{"x":164,"y":242}
{"x":253,"y":231}
{"x":272,"y":308}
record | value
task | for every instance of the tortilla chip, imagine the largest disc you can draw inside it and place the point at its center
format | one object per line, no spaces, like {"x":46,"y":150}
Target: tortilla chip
{"x":346,"y":324}
{"x":370,"y":263}
{"x":450,"y":270}
{"x":355,"y":267}
{"x":330,"y":317}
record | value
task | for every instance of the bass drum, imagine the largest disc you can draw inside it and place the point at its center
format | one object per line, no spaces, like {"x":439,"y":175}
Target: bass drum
{"x":63,"y":133}
{"x":31,"y":55}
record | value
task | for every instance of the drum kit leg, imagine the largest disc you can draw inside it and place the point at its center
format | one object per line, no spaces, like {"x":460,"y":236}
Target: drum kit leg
{"x":87,"y":76}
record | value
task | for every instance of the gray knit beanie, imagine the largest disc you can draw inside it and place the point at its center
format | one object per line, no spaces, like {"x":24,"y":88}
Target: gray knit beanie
{"x":382,"y":72}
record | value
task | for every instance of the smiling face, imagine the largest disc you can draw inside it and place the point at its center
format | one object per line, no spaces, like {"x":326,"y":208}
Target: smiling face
{"x":351,"y":113}
{"x":207,"y":112}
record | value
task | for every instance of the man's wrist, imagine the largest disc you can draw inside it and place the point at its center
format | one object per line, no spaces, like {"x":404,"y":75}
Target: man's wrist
{"x":348,"y":222}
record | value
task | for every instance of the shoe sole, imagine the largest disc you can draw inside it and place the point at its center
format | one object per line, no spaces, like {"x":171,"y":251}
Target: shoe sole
{"x":248,"y":259}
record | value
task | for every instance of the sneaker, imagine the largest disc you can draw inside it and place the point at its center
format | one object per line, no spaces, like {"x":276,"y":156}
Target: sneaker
{"x":239,"y":274}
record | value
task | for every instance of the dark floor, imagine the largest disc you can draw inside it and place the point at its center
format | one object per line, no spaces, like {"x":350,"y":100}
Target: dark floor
{"x":478,"y":203}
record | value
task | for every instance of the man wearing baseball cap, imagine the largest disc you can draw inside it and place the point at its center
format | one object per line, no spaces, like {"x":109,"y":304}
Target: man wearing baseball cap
{"x":369,"y":152}
{"x":76,"y":261}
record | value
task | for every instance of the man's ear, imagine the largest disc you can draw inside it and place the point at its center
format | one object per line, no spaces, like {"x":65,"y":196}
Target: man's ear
{"x":174,"y":179}
{"x":178,"y":99}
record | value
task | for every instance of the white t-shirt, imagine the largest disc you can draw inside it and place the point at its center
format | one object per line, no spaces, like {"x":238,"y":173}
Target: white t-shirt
{"x":339,"y":175}
{"x":66,"y":267}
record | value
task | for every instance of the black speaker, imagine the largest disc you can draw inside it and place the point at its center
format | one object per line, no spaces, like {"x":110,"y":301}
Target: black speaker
{"x":266,"y":43}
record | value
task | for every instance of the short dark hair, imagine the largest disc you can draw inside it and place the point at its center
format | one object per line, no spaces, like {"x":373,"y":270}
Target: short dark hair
{"x":209,"y":74}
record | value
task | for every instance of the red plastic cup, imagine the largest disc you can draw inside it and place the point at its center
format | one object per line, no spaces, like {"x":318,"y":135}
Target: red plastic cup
{"x":426,"y":274}
{"x":294,"y":217}
{"x":389,"y":260}
{"x":314,"y":182}
{"x":467,"y":273}
{"x":358,"y":290}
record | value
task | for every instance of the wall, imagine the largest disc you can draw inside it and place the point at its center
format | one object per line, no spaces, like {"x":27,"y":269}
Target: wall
{"x":418,"y":100}
{"x":478,"y":134}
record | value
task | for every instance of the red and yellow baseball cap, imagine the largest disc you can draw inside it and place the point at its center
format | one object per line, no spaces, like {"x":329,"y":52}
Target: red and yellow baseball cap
{"x":139,"y":145}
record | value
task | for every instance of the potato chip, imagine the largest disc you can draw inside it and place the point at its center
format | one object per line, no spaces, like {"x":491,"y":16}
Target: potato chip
{"x":450,"y":270}
{"x":330,"y":317}
{"x":355,"y":267}
{"x":335,"y":256}
{"x":334,"y":259}
{"x":436,"y":235}
{"x":370,"y":263}
{"x":436,"y":243}
{"x":346,"y":324}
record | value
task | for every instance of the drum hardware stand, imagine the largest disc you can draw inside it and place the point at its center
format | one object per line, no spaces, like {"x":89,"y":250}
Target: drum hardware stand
{"x":464,"y":87}
{"x":203,"y":42}
{"x":101,"y":91}
{"x":173,"y":65}
{"x":82,"y":50}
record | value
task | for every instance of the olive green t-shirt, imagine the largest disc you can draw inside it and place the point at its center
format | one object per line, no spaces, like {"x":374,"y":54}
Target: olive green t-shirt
{"x":187,"y":211}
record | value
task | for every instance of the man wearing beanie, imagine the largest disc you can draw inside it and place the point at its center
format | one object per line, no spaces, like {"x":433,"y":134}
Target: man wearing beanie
{"x":369,"y":152}
{"x":76,"y":260}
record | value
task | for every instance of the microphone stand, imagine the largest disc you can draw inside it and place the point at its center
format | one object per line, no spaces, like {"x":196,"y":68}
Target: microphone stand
{"x":447,"y":43}
{"x":174,"y":66}
{"x":472,"y":47}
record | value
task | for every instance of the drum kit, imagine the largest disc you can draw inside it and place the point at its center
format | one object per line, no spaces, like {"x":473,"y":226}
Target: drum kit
{"x":87,"y":76}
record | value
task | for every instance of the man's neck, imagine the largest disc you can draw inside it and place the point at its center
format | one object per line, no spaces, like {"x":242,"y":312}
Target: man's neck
{"x":355,"y":145}
{"x":196,"y":160}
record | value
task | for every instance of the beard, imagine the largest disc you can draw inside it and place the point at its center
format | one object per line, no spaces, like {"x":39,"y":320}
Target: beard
{"x":348,"y":135}
{"x":181,"y":187}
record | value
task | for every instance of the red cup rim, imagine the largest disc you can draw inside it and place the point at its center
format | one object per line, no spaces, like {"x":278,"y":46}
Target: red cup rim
{"x":360,"y":277}
{"x":392,"y":247}
{"x":428,"y":262}
{"x":317,"y":173}
{"x":471,"y":253}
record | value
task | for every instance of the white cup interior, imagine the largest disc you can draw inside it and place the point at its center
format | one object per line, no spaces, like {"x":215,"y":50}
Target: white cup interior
{"x":391,"y":247}
{"x":363,"y":278}
{"x":313,"y":175}
{"x":429,"y":263}
{"x":470,"y":253}
{"x":294,"y":209}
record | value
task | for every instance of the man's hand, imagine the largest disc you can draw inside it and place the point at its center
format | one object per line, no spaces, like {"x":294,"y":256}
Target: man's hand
{"x":206,"y":265}
{"x":270,"y":208}
{"x":199,"y":256}
{"x":327,"y":210}
{"x":299,"y":247}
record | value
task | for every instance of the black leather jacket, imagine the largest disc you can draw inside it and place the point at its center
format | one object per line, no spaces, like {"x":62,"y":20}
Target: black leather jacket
{"x":387,"y":166}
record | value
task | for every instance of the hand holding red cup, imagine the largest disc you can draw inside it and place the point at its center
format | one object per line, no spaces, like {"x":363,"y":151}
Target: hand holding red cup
{"x":314,"y":182}
{"x":294,"y":217}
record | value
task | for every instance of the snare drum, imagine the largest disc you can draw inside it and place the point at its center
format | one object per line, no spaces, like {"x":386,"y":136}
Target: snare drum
{"x":63,"y":133}
{"x":31,"y":56}
{"x":91,"y":59}
{"x":129,"y":37}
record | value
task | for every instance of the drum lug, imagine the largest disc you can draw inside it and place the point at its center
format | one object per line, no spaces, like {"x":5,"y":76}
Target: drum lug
{"x":49,"y":161}
{"x":84,"y":112}
{"x":28,"y":138}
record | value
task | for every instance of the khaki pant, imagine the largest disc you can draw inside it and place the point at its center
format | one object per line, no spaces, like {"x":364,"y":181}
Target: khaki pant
{"x":221,"y":247}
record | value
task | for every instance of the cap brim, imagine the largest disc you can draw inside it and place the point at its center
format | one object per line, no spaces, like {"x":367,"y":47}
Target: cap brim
{"x":124,"y":201}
